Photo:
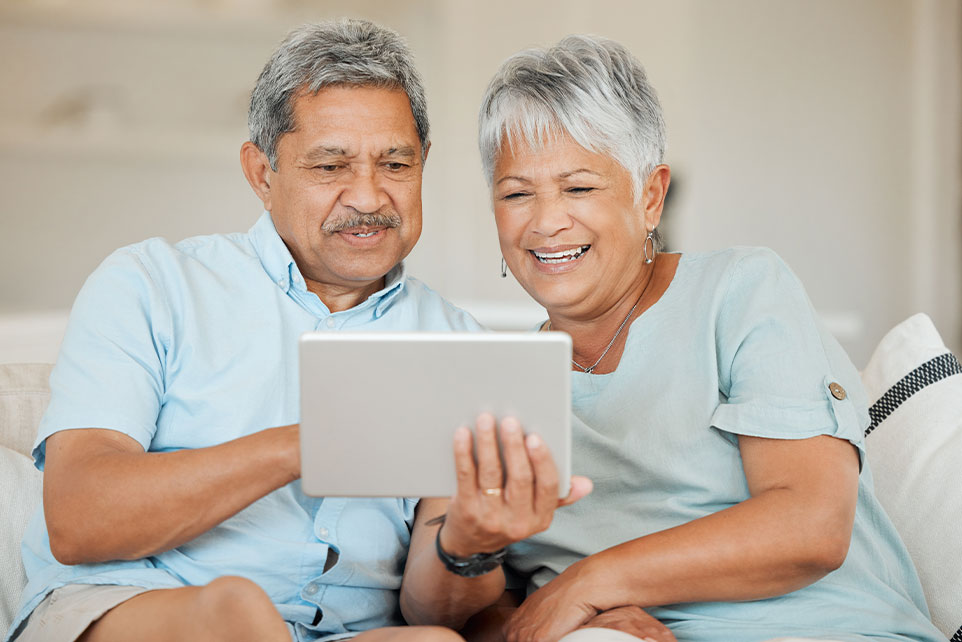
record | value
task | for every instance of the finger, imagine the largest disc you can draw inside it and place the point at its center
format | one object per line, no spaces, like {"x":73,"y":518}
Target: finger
{"x":464,"y":464}
{"x":545,"y":475}
{"x":519,"y":486}
{"x":490,"y":474}
{"x":580,"y":486}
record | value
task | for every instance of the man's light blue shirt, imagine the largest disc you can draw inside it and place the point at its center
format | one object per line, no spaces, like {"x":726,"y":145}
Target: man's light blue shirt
{"x":192,"y":345}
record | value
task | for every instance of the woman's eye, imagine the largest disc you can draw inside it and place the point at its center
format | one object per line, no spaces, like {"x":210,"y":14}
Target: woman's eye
{"x":580,"y":190}
{"x":513,"y":196}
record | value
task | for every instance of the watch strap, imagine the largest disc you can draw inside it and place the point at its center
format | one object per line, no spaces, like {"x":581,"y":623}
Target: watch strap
{"x":471,"y":566}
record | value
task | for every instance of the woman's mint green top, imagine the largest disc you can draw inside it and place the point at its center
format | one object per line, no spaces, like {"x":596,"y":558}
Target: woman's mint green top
{"x":732,"y":348}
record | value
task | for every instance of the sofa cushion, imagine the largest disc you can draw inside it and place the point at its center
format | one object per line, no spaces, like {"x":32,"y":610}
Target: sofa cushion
{"x":20,"y":488}
{"x":914,"y":443}
{"x":24,"y":395}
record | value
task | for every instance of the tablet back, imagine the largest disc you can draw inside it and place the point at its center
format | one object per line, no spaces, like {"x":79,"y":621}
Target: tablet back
{"x":379,"y":410}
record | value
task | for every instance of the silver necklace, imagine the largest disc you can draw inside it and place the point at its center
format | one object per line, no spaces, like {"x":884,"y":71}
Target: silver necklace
{"x":590,"y":369}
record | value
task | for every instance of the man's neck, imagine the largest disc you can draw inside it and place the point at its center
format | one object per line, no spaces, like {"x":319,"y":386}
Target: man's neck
{"x":339,"y":297}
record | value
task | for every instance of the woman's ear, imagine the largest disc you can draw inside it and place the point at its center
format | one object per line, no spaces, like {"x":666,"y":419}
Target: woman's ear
{"x":257,"y":169}
{"x":656,"y":188}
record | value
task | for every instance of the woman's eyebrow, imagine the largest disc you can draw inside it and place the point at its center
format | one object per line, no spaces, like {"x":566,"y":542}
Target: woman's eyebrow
{"x":583,"y":170}
{"x":520,"y":179}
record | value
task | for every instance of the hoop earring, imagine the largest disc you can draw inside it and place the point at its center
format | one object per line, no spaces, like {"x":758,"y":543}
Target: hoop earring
{"x":504,"y":269}
{"x":650,"y":239}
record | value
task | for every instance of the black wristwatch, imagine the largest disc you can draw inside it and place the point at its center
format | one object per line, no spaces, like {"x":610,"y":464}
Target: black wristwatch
{"x":472,"y":566}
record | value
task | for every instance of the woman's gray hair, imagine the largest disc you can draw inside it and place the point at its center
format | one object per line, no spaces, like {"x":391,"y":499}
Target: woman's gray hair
{"x":352,"y":53}
{"x":591,"y":88}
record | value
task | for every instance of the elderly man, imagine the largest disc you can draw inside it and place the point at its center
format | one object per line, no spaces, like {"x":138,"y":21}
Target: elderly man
{"x":170,"y":445}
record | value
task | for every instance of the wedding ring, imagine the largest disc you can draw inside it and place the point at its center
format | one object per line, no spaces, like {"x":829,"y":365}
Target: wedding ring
{"x":492,"y":492}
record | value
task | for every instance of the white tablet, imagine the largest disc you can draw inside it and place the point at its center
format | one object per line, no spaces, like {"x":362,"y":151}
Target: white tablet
{"x":379,"y":410}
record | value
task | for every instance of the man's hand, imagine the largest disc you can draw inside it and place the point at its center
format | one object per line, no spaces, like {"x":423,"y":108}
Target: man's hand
{"x":633,"y":620}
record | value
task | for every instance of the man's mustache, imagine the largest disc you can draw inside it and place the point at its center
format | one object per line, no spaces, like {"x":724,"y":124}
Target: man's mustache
{"x":376,"y":219}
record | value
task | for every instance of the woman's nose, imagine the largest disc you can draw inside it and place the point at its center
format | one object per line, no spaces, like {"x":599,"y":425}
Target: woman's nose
{"x":550,"y":216}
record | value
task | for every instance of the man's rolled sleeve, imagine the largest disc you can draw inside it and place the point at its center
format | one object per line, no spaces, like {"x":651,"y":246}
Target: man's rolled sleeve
{"x":110,"y":371}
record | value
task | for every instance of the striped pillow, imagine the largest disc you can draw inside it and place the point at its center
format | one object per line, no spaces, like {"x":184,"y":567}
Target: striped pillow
{"x":914,"y":445}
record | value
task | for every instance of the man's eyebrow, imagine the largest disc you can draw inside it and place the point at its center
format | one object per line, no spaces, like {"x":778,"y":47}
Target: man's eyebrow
{"x":405,"y":151}
{"x":323,"y":152}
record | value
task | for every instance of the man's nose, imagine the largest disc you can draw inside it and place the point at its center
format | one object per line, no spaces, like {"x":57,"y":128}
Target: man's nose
{"x":364,"y":192}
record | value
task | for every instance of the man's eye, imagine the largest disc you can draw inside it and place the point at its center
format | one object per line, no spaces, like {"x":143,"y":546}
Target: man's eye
{"x":396,"y":167}
{"x":328,"y":168}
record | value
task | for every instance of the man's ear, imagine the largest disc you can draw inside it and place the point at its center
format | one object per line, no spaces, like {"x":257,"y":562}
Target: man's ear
{"x":653,"y":199}
{"x":258,"y":171}
{"x":424,"y":156}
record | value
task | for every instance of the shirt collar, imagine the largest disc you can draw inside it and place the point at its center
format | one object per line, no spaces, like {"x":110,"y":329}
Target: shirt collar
{"x":271,"y":250}
{"x":280,"y":266}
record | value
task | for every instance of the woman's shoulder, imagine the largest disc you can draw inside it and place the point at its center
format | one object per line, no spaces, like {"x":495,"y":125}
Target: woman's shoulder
{"x":720,"y":268}
{"x":733,"y":258}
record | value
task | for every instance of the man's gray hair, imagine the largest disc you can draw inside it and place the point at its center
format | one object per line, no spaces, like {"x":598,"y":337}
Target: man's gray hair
{"x":351,"y":53}
{"x":591,"y":88}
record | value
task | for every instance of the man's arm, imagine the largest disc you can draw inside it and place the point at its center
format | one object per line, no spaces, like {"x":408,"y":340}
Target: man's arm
{"x":106,"y":499}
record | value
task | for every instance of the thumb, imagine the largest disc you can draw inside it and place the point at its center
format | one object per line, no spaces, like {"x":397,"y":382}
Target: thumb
{"x":580,"y":486}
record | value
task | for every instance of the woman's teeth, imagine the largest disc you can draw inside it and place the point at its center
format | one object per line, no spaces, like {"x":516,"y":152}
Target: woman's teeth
{"x":561,"y":257}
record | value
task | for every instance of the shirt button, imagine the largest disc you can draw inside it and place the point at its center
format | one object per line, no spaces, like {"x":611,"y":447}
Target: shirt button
{"x":837,"y":391}
{"x":323,"y":532}
{"x":310,"y":589}
{"x":330,"y":322}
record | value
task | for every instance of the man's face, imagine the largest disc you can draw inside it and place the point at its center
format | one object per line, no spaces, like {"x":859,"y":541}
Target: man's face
{"x":346,"y":196}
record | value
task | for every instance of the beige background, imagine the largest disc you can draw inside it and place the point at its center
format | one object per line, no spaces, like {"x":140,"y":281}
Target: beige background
{"x":827,"y":130}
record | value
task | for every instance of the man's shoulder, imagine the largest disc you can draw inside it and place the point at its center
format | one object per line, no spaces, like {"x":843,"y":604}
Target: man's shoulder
{"x":436,"y":312}
{"x":159,"y":253}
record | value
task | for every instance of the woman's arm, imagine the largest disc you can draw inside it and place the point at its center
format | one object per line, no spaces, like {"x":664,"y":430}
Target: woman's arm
{"x":521,"y":499}
{"x":794,"y":529}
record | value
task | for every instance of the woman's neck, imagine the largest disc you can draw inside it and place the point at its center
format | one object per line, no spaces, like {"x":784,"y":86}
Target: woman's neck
{"x":592,"y":331}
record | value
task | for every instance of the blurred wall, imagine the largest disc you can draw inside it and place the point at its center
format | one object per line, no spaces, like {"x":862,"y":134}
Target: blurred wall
{"x":829,"y":131}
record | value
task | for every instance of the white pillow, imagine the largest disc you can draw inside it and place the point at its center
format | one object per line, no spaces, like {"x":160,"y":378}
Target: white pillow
{"x":914,"y":446}
{"x":20,"y":490}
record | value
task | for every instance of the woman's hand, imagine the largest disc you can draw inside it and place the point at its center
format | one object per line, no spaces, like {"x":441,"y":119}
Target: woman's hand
{"x":557,"y":608}
{"x":498,"y":505}
{"x":633,"y":620}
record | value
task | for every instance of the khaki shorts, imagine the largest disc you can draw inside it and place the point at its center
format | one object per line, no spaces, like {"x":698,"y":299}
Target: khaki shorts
{"x":66,"y":613}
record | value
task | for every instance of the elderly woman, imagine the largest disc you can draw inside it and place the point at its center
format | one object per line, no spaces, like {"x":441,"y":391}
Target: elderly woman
{"x":721,"y":426}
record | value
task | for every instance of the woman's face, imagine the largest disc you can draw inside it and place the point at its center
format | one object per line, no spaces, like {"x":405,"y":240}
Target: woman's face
{"x":568,"y":225}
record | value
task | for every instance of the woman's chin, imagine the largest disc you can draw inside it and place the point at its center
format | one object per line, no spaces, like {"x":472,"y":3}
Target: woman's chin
{"x":555,"y":297}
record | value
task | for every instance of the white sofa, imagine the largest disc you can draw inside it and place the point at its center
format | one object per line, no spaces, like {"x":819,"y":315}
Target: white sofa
{"x":914,"y":446}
